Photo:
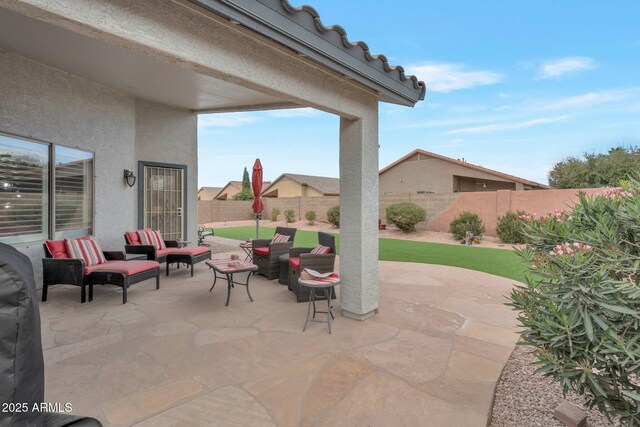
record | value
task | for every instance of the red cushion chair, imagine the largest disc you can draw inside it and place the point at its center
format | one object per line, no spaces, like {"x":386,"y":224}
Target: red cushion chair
{"x":320,"y":258}
{"x":266,"y":252}
{"x":60,"y":269}
{"x":134,"y":246}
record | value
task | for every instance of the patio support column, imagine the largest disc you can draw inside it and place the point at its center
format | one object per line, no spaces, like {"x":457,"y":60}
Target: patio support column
{"x":359,"y":215}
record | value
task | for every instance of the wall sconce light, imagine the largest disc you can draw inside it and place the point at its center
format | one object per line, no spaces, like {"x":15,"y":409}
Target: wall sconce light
{"x":484,"y":185}
{"x":129,"y":178}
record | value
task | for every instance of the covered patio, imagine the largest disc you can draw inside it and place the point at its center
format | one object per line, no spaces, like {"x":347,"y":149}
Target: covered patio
{"x":179,"y":357}
{"x":124,"y":82}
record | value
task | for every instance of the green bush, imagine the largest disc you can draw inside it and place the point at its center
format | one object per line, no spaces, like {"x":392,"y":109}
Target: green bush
{"x":466,"y":221}
{"x":245,"y":194}
{"x":405,"y":215}
{"x":510,"y":228}
{"x":333,"y":215}
{"x":580,"y":306}
{"x":290,"y":216}
{"x":274,"y":214}
{"x":310,"y":216}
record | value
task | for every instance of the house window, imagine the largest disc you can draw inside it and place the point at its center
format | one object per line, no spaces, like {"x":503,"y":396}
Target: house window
{"x":24,"y":190}
{"x":28,"y":210}
{"x":74,"y":192}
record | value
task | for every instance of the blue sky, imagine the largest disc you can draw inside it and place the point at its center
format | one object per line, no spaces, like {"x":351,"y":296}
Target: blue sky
{"x":511,"y":85}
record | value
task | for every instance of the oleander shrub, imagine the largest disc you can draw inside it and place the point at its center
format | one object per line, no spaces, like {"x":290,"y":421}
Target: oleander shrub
{"x":290,"y":216}
{"x":580,"y":304}
{"x":466,"y":221}
{"x":333,"y":216}
{"x":405,"y":215}
{"x":510,"y":227}
{"x":310,"y":216}
{"x":275,"y":212}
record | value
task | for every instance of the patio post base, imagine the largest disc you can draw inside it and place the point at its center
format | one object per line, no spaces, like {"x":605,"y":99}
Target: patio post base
{"x":356,"y":316}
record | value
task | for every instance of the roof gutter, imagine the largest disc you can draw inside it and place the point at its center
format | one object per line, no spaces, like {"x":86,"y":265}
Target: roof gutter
{"x":301,"y":30}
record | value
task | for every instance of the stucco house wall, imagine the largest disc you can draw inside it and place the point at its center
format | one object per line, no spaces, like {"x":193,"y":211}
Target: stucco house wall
{"x":286,"y":187}
{"x":46,"y":104}
{"x":429,"y":175}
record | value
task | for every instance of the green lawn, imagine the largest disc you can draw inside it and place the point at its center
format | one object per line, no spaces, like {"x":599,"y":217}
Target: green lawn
{"x":501,"y":262}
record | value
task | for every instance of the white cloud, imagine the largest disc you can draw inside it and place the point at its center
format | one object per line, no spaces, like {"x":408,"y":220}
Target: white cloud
{"x":589,"y":99}
{"x":225,"y":120}
{"x":507,"y":126}
{"x":562,"y":66}
{"x":446,"y":77}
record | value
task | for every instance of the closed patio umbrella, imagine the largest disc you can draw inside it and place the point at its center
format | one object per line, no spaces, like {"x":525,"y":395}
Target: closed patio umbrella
{"x":256,"y":186}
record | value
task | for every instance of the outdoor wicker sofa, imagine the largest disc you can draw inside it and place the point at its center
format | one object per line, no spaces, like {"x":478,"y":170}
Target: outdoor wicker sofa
{"x":172,"y":254}
{"x":59,"y":269}
{"x":266,"y":253}
{"x":301,"y":258}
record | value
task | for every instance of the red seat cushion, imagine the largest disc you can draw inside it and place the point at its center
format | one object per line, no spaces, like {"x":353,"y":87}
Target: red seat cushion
{"x":132,"y":237}
{"x":193,"y":250}
{"x":295,"y":262}
{"x":57,"y":248}
{"x":128,"y":268}
{"x":261,"y":251}
{"x":163,"y":252}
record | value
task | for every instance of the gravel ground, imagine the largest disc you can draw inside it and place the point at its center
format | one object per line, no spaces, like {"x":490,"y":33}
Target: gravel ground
{"x":525,"y":399}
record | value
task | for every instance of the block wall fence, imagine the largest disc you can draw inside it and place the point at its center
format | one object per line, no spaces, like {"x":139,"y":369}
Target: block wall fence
{"x":440,"y":208}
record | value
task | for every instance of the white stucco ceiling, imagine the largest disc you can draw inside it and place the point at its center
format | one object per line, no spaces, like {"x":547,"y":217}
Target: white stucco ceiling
{"x":138,"y":75}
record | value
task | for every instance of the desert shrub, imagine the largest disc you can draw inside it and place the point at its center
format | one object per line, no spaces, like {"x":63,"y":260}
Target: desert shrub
{"x":290,"y":216}
{"x":405,"y":215}
{"x":510,"y":227}
{"x":466,"y":221}
{"x":310,"y":216}
{"x":275,"y":212}
{"x":580,"y":305}
{"x":245,"y":194}
{"x":333,"y":215}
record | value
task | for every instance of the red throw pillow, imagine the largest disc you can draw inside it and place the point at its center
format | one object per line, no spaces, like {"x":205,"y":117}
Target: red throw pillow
{"x":132,"y":238}
{"x":280,"y":238}
{"x":85,"y":249}
{"x":321,"y":250}
{"x":151,"y":237}
{"x":57,"y":248}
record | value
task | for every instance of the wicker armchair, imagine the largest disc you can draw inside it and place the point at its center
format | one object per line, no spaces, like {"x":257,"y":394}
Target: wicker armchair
{"x":116,"y":271}
{"x":266,"y":253}
{"x":301,"y":258}
{"x":133,"y":246}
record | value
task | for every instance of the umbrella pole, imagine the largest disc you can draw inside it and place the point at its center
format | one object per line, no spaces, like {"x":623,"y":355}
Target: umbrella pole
{"x":257,"y":229}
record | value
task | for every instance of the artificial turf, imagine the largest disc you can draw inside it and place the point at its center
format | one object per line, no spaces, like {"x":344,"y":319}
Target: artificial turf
{"x":501,"y":262}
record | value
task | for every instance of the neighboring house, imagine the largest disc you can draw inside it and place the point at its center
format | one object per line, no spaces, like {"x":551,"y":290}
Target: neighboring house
{"x":116,"y":86}
{"x":228,"y":191}
{"x":208,"y":193}
{"x":294,"y":185}
{"x":421,"y":172}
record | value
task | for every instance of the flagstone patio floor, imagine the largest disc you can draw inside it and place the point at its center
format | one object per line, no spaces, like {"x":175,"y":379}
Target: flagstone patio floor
{"x":179,"y":357}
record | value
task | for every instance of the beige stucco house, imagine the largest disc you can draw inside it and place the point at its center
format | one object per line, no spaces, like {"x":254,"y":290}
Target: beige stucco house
{"x":422,"y":172}
{"x":228,"y":191}
{"x":294,"y":185}
{"x":208,"y":193}
{"x":114,"y":89}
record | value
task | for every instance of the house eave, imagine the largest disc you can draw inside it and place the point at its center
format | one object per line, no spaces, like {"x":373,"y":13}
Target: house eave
{"x":300,"y":29}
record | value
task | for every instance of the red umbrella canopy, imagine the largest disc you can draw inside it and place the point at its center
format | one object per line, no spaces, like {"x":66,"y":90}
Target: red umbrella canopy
{"x":256,"y":186}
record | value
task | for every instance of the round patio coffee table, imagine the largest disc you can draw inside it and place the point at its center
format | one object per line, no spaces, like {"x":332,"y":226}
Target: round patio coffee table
{"x":319,"y":284}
